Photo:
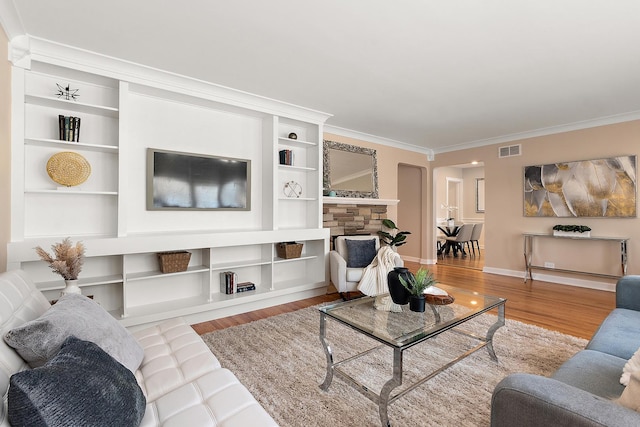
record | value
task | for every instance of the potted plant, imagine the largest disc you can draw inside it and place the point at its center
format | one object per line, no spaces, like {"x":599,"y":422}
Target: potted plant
{"x":394,"y":238}
{"x":67,"y":260}
{"x":416,"y":285}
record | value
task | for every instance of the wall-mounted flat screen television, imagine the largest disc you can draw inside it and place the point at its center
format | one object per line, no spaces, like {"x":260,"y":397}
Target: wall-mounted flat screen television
{"x":177,"y":181}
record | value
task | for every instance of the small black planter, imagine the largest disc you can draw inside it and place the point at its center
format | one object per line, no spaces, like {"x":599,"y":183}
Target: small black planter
{"x":399,"y":294}
{"x":417,"y":303}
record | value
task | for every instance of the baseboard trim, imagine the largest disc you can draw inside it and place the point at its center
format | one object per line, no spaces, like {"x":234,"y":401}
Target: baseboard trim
{"x":421,"y":261}
{"x":561,"y":280}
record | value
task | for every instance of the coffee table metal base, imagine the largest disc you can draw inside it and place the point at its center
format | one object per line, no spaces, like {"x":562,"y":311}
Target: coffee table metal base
{"x":385,"y":398}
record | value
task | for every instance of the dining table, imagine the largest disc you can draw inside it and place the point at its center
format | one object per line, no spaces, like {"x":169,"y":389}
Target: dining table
{"x":449,"y":246}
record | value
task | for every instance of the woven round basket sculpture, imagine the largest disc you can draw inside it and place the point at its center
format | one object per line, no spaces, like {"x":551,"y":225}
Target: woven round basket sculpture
{"x":68,"y":168}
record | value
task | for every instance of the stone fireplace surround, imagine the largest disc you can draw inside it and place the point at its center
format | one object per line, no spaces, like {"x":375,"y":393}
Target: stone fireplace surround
{"x":353,"y":216}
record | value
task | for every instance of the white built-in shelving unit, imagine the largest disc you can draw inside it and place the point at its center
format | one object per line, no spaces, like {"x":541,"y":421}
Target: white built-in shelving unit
{"x":124,"y":110}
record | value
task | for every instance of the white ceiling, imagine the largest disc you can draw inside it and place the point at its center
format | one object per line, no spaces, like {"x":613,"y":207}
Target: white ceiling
{"x":440,"y":75}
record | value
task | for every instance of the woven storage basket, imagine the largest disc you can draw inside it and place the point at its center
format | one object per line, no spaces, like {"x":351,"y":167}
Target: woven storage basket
{"x":288,"y":250}
{"x":173,"y":262}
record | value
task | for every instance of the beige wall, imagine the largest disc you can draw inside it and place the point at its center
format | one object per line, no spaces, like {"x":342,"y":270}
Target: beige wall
{"x":469,"y":176}
{"x":411,"y":215}
{"x":504,"y":220}
{"x":389,"y":161}
{"x":5,"y":150}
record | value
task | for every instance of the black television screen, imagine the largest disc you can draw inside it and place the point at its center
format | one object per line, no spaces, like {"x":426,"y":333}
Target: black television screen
{"x":197,"y":181}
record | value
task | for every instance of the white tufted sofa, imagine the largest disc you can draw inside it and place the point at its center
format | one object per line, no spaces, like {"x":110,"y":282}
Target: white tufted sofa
{"x":183,"y":382}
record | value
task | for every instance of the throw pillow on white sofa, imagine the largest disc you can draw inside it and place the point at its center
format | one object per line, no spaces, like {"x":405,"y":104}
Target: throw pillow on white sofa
{"x":39,"y":340}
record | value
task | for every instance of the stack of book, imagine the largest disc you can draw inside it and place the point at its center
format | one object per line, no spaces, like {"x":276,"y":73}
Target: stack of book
{"x":246,"y":286}
{"x":286,"y":157}
{"x":228,"y":282}
{"x":69,"y":128}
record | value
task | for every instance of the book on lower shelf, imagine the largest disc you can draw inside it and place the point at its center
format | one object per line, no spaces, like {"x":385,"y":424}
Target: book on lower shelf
{"x":245,"y":287}
{"x":228,"y":282}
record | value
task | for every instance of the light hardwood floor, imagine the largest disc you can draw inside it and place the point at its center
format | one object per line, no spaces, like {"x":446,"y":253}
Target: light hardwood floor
{"x":567,"y":309}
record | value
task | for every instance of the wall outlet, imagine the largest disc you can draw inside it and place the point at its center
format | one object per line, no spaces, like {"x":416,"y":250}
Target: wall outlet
{"x":549,"y":265}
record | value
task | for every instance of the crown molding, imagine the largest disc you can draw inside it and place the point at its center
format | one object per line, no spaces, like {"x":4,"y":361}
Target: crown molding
{"x":10,"y":20}
{"x":551,"y":130}
{"x":46,"y":51}
{"x":20,"y":52}
{"x":18,"y":49}
{"x":378,"y":140}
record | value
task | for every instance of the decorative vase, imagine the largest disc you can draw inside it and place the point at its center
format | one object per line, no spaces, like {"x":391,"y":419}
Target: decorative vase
{"x":399,"y":294}
{"x":417,"y":303}
{"x":71,"y":287}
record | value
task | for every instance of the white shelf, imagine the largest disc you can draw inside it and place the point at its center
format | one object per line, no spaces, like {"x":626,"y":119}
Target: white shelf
{"x":284,"y":260}
{"x":297,"y":168}
{"x":44,"y":142}
{"x":71,"y":192}
{"x":220,"y":297}
{"x":82,"y":282}
{"x":299,"y":199}
{"x":294,"y":142}
{"x":81,"y":107}
{"x":239,"y":264}
{"x":147,"y":275}
{"x":171,"y":307}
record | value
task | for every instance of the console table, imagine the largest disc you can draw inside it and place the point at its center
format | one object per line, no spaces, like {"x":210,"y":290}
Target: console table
{"x":528,"y":253}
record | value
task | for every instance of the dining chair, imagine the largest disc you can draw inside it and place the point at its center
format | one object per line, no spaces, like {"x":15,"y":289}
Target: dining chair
{"x":475,"y":236}
{"x":462,"y":236}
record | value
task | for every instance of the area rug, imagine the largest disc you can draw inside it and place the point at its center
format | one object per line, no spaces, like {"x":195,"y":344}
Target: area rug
{"x":281,"y":361}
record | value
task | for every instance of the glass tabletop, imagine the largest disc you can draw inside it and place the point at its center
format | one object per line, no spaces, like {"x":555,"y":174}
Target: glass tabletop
{"x":407,"y":327}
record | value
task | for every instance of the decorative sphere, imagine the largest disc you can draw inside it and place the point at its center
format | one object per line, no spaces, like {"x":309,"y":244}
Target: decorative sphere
{"x":293,"y":136}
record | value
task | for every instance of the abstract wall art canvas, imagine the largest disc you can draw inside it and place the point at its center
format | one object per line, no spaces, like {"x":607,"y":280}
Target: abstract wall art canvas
{"x":603,"y":188}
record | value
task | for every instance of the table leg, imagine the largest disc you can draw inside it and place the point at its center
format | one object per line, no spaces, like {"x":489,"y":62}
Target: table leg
{"x":492,"y":330}
{"x":623,"y":256}
{"x":528,"y":254}
{"x":327,"y":351}
{"x":394,"y":382}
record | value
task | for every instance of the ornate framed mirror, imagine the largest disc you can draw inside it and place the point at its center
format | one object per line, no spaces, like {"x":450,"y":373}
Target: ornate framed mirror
{"x":349,"y":170}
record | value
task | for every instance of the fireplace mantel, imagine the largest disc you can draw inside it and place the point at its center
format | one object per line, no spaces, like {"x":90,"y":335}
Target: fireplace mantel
{"x":358,"y":201}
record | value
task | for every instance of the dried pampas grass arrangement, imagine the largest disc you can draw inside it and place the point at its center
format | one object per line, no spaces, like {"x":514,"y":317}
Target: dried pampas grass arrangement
{"x":67,"y":258}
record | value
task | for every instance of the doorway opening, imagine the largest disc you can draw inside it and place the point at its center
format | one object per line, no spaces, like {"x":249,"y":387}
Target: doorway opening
{"x":455,"y":195}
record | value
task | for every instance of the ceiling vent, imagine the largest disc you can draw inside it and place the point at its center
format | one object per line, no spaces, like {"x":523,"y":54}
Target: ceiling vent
{"x":510,"y":151}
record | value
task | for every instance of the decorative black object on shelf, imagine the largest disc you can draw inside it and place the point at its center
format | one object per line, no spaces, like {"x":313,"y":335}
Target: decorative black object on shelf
{"x":67,"y":93}
{"x":293,"y":136}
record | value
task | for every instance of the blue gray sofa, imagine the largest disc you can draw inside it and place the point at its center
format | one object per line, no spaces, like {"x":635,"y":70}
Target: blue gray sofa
{"x":582,"y":391}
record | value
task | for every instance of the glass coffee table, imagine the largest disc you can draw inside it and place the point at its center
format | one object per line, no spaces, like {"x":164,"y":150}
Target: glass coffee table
{"x":401,"y":331}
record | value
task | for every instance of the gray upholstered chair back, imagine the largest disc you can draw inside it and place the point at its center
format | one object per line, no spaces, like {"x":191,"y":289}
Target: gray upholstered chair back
{"x":464,"y":235}
{"x":477,"y":230}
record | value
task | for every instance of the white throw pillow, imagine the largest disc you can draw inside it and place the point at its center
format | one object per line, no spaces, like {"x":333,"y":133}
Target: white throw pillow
{"x":632,"y":365}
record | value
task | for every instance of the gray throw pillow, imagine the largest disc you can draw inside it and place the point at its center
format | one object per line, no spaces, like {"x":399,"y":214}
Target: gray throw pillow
{"x":39,"y":340}
{"x":81,"y":386}
{"x":360,"y":253}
